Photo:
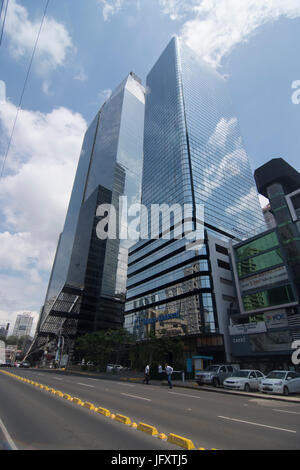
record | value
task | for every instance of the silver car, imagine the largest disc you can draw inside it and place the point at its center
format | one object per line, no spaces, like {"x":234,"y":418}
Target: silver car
{"x":281,"y":381}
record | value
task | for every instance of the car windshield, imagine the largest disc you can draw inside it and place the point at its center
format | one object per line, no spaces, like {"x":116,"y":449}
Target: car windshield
{"x":242,"y":373}
{"x":276,"y":375}
{"x":212,"y":369}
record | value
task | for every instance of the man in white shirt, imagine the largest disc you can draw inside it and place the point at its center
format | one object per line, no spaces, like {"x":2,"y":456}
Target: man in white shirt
{"x":169,"y":371}
{"x":147,"y":374}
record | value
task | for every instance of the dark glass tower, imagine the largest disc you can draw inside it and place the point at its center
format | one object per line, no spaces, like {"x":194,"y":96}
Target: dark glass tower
{"x":87,"y":286}
{"x":193,"y":154}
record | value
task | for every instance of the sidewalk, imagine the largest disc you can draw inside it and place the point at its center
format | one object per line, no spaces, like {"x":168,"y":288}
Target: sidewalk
{"x":187,"y":384}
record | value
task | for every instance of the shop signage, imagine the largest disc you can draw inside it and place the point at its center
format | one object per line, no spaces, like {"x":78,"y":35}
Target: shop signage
{"x":160,"y":318}
{"x":264,"y":279}
{"x":276,"y":319}
{"x":247,"y":328}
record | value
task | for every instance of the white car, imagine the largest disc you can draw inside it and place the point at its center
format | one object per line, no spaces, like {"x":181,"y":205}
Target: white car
{"x":244,"y":380}
{"x":281,"y":381}
{"x":114,"y":367}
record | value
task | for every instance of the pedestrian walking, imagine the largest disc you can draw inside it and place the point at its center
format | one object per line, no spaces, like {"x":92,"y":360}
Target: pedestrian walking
{"x":159,"y":369}
{"x":169,"y":371}
{"x":147,"y":374}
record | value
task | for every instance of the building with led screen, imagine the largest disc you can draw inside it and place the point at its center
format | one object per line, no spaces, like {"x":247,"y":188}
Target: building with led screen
{"x":87,"y":286}
{"x":266,"y":269}
{"x":193,"y":155}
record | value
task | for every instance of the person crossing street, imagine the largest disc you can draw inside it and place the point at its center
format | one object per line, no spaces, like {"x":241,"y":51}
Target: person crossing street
{"x":169,"y":371}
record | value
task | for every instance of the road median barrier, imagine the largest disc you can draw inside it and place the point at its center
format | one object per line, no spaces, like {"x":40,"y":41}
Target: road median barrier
{"x":103,"y":411}
{"x":180,"y":441}
{"x":123,"y":419}
{"x":88,"y":405}
{"x":147,"y":429}
{"x":77,"y":401}
{"x":66,"y":396}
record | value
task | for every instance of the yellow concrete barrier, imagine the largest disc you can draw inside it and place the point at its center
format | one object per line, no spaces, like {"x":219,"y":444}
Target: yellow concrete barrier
{"x":77,"y":401}
{"x":180,"y":441}
{"x":67,"y":396}
{"x":123,"y":419}
{"x":103,"y":411}
{"x":147,"y":429}
{"x":88,"y":405}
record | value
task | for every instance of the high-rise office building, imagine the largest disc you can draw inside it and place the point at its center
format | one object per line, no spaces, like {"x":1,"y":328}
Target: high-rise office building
{"x":23,"y":325}
{"x":87,"y":285}
{"x":193,"y":154}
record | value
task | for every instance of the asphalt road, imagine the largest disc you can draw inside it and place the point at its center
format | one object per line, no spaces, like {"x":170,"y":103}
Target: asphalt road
{"x":35,"y":419}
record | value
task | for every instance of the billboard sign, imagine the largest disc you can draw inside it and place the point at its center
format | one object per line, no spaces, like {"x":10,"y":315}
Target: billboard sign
{"x":264,"y":279}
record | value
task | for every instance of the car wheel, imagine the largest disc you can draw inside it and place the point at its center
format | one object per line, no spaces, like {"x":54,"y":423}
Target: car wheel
{"x":286,"y":391}
{"x":216,"y":382}
{"x":247,"y":387}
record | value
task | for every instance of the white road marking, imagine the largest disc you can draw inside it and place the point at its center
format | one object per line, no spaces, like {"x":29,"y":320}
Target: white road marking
{"x":257,"y":424}
{"x":135,"y":396}
{"x":11,"y":443}
{"x":285,"y":411}
{"x":56,"y":378}
{"x":185,"y":395}
{"x":87,"y":385}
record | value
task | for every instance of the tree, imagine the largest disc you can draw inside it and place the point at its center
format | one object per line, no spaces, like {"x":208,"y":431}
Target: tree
{"x":97,"y":347}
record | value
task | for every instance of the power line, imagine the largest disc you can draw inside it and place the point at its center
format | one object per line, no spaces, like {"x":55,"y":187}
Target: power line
{"x":24,"y":86}
{"x":4,"y":19}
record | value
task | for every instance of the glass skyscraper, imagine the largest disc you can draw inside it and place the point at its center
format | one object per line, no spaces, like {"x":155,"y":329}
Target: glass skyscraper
{"x":87,"y":286}
{"x":193,"y":154}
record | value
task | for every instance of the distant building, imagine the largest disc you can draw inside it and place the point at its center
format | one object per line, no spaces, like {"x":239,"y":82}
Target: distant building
{"x":4,"y":330}
{"x":269,"y":217}
{"x":23,"y":325}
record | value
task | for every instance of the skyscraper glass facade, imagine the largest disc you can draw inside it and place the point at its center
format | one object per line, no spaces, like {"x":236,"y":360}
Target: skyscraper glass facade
{"x":193,"y":154}
{"x":88,"y":279}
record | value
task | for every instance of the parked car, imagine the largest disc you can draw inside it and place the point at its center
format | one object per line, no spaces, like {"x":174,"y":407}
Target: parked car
{"x":114,"y":367}
{"x":281,"y":381}
{"x":215,"y":374}
{"x":244,"y":380}
{"x":25,"y":365}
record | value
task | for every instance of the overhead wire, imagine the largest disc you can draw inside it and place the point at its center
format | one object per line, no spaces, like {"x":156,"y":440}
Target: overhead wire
{"x":4,"y":19}
{"x":24,"y":87}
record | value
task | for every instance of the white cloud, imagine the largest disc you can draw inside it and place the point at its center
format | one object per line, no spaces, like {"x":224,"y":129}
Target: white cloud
{"x":177,"y":9}
{"x":34,"y":195}
{"x":110,"y":7}
{"x":217,"y":26}
{"x":81,"y":75}
{"x":54,"y":41}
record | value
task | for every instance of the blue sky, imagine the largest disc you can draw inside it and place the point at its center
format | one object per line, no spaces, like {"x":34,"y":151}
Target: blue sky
{"x":85,"y":50}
